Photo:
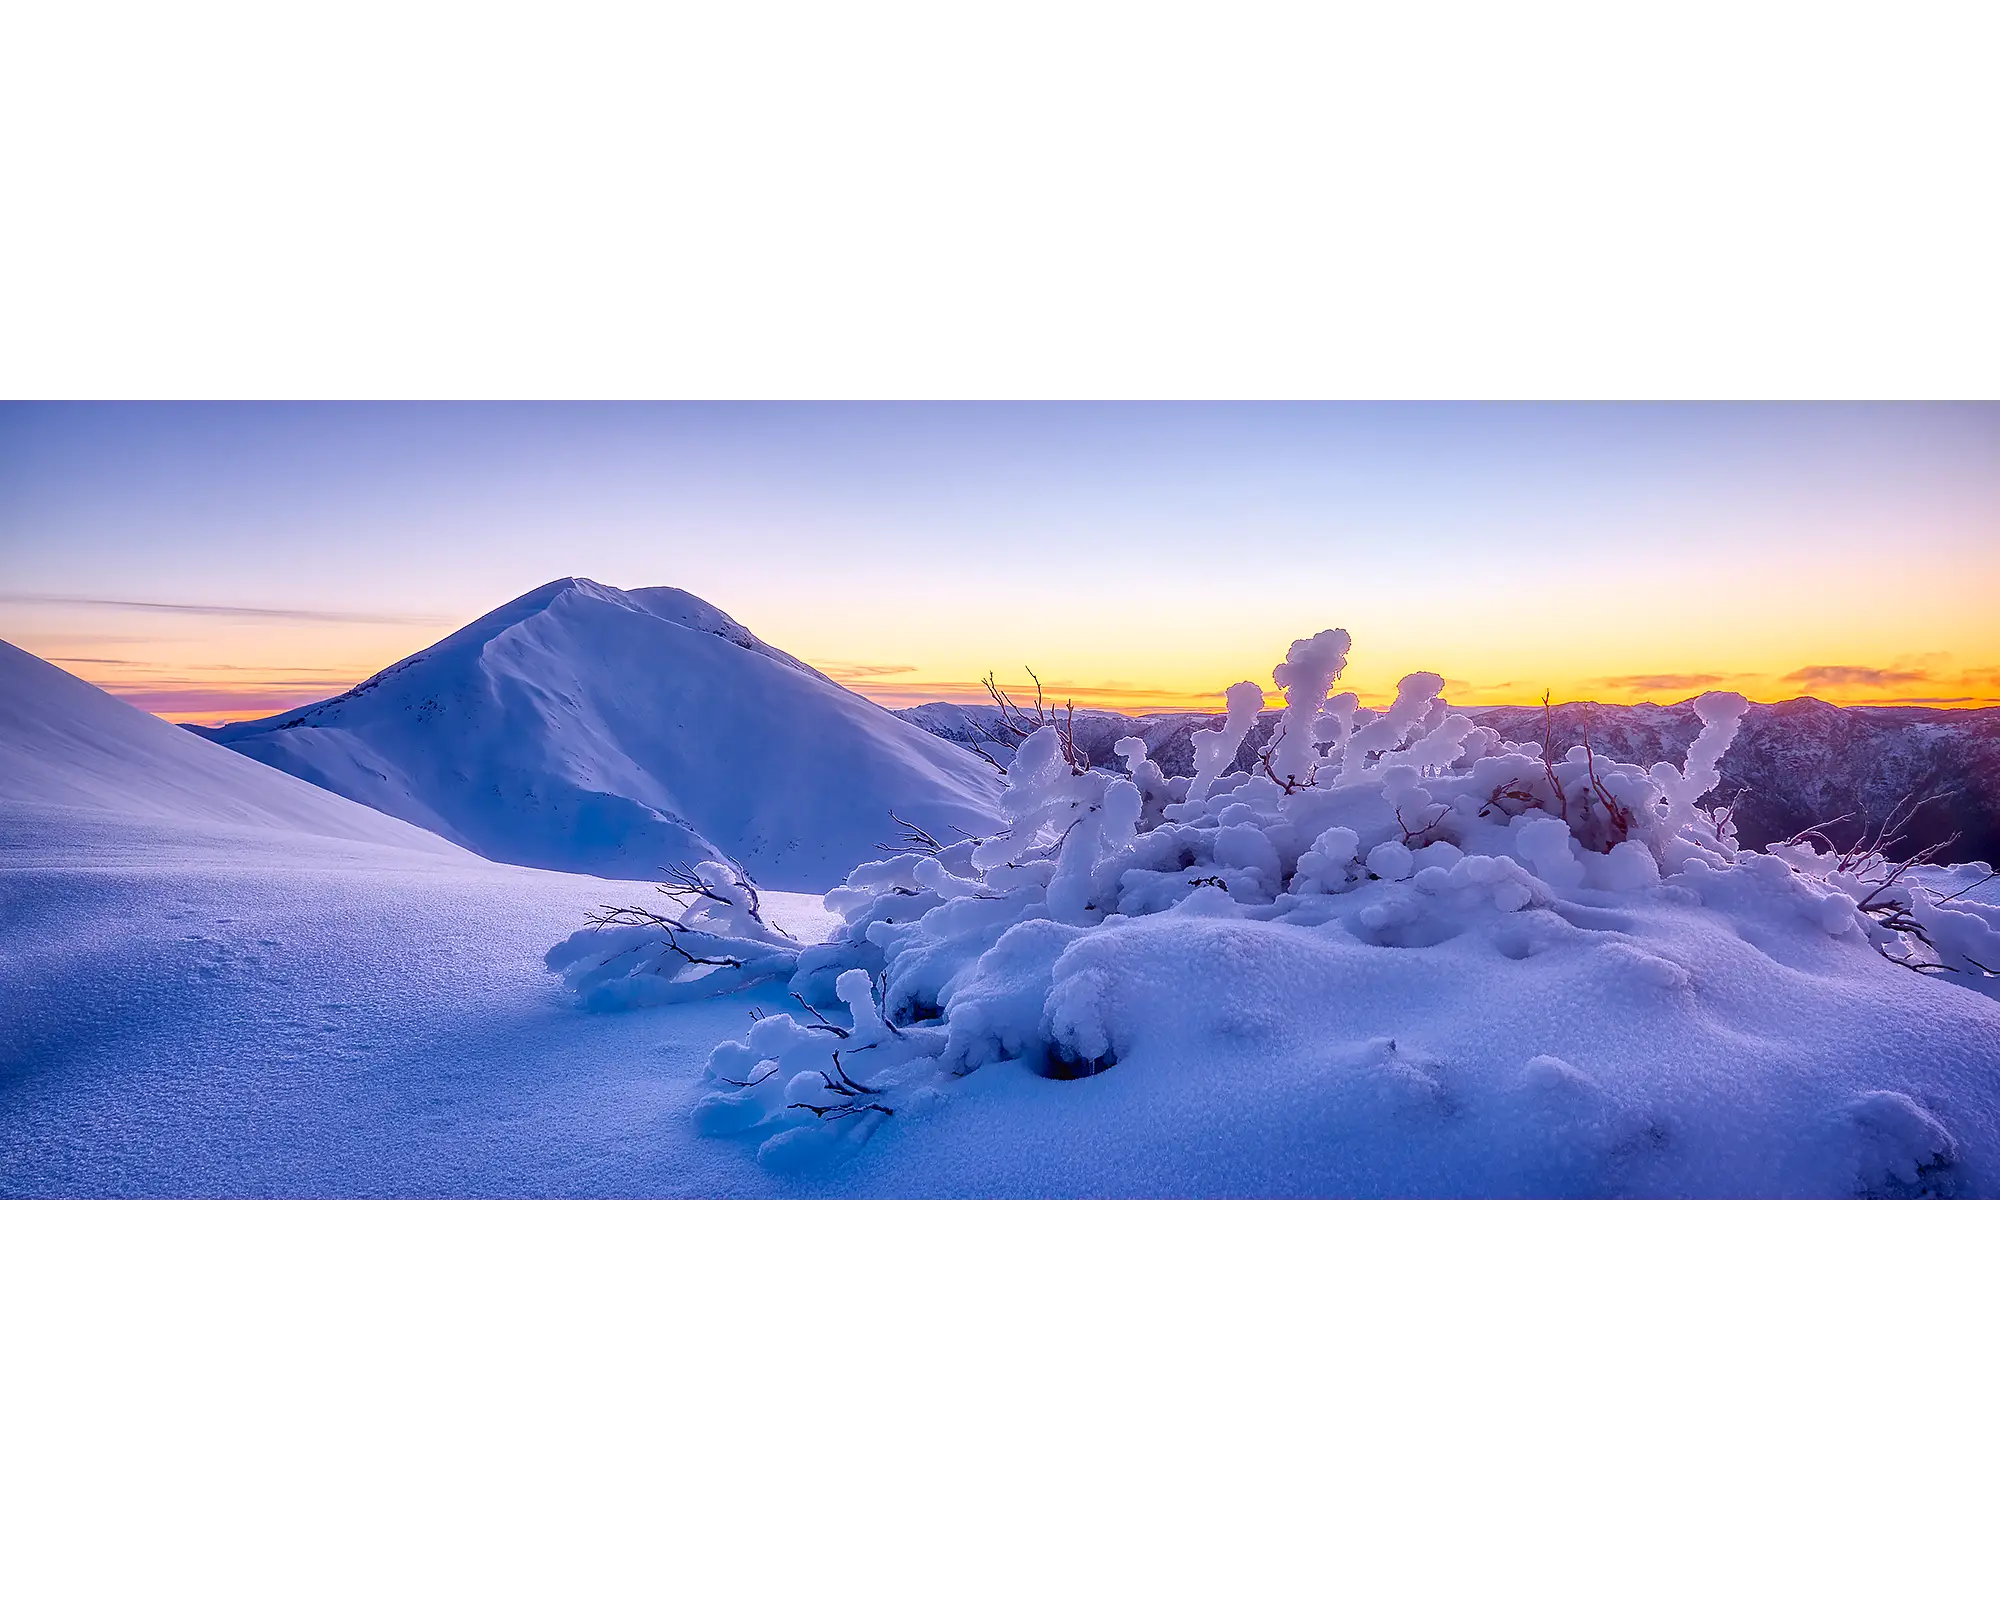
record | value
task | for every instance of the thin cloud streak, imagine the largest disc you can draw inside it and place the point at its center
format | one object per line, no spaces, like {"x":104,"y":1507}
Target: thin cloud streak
{"x":279,"y":613}
{"x":315,"y":670}
{"x":177,"y":703}
{"x":1655,"y":682}
{"x":1869,"y":677}
{"x":1097,"y":697}
{"x":856,"y":673}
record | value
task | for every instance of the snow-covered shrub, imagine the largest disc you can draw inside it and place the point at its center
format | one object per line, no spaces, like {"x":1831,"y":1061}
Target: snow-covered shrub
{"x":714,"y":941}
{"x":1095,"y":919}
{"x":1906,"y":908}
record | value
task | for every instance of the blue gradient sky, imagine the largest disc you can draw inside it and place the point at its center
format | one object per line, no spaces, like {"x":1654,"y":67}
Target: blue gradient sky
{"x":1135,"y":553}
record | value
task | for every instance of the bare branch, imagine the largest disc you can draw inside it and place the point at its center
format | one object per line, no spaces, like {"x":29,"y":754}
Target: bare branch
{"x":1548,"y":757}
{"x":835,"y":1113}
{"x":822,"y":1025}
{"x":915,"y":840}
{"x":1944,"y":899}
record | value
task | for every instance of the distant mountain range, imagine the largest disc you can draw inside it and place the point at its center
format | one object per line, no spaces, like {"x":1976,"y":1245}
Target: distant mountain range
{"x":1793,"y":764}
{"x":590,"y":729}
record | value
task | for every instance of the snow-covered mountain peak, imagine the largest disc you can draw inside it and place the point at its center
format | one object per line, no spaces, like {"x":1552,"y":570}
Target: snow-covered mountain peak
{"x":567,"y":608}
{"x":588,"y":728}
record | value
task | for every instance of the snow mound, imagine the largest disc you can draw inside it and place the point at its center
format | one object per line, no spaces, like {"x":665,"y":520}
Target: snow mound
{"x":75,"y":756}
{"x":590,"y":729}
{"x":1401,"y":955}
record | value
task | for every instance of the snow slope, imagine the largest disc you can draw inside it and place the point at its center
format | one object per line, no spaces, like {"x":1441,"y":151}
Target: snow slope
{"x":73,"y":753}
{"x":592,"y":729}
{"x":216,"y":979}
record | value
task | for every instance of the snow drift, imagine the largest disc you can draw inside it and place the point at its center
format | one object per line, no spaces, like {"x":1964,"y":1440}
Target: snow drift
{"x":589,"y":729}
{"x":1401,"y":955}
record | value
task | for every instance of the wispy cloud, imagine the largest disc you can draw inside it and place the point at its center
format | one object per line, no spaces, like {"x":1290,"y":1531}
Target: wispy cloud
{"x":1661,"y":682}
{"x":280,"y":613}
{"x":1862,"y":677}
{"x":1091,"y":696}
{"x":1935,"y":700}
{"x":179,"y":691}
{"x":248,"y":702}
{"x":893,"y":685}
{"x":857,"y":673}
{"x":315,"y":671}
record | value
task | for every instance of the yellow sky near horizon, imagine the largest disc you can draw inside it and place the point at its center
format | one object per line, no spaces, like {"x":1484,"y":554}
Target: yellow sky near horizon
{"x":193,"y":667}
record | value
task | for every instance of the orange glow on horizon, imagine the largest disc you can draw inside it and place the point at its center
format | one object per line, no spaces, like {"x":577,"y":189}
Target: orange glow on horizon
{"x":1945,"y":694}
{"x":178,"y":694}
{"x":1491,"y":649}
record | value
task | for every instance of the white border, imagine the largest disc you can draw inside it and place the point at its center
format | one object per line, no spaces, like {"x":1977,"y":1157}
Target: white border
{"x":1042,"y":200}
{"x":1052,"y":201}
{"x":987,"y":1399}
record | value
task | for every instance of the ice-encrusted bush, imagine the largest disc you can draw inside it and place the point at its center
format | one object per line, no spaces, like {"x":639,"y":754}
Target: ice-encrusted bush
{"x":1905,"y":907}
{"x":1407,"y":827}
{"x":714,"y":940}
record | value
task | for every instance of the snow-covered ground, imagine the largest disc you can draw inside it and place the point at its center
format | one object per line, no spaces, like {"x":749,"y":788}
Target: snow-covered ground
{"x":217,"y":979}
{"x":193,"y":1014}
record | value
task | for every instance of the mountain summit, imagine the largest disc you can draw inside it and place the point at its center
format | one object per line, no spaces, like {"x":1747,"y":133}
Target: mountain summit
{"x":590,"y":729}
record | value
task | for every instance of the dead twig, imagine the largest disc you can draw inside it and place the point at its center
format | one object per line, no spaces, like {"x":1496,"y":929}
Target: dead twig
{"x":1548,"y":759}
{"x":822,"y":1025}
{"x":1621,"y":819}
{"x":1018,"y":723}
{"x":915,"y":840}
{"x":684,"y":885}
{"x":1944,"y":899}
{"x":1412,"y":835}
{"x":835,"y":1113}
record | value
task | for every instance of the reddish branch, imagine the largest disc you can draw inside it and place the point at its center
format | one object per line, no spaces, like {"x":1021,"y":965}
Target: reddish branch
{"x":1412,"y":835}
{"x":1017,"y":723}
{"x":1548,"y":759}
{"x":1621,"y":819}
{"x":1509,"y":791}
{"x":1289,"y":785}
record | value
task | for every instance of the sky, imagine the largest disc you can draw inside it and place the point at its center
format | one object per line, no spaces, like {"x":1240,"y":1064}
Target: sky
{"x":214,"y":561}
